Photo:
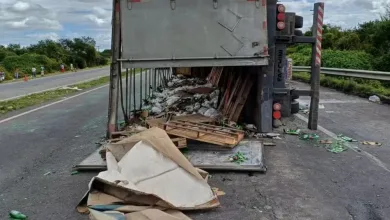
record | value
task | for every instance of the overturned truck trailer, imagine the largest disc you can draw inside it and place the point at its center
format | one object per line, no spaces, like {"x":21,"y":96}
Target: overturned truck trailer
{"x":151,"y":38}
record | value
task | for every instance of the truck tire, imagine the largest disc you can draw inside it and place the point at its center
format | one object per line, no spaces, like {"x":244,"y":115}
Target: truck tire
{"x":294,"y":96}
{"x":294,"y":107}
{"x":298,"y":33}
{"x":298,"y":21}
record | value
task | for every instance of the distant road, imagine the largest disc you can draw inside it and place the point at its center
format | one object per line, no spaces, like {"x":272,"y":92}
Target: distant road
{"x":21,"y":88}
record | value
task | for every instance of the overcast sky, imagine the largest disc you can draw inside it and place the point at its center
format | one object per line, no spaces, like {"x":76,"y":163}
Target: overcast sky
{"x":27,"y":21}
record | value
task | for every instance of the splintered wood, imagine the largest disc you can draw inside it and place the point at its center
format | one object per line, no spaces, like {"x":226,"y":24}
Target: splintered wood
{"x":194,"y":118}
{"x":204,"y":132}
{"x":215,"y":75}
{"x":237,"y":90}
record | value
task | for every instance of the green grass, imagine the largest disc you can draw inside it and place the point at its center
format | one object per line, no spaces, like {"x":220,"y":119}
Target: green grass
{"x":360,"y":87}
{"x":39,"y":98}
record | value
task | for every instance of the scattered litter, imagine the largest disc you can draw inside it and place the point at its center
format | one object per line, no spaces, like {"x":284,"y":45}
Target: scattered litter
{"x":374,"y":98}
{"x":345,"y":138}
{"x":17,"y":215}
{"x":269,"y":144}
{"x":321,"y":106}
{"x":371,"y":143}
{"x":47,"y":174}
{"x":212,"y":113}
{"x":277,"y":138}
{"x":337,"y":147}
{"x":259,"y":135}
{"x":309,"y":137}
{"x":71,"y":88}
{"x":251,"y":127}
{"x":238,"y":158}
{"x":272,"y":135}
{"x":306,"y":111}
{"x":292,"y":131}
{"x":74,"y":173}
{"x":218,"y":192}
{"x":325,"y":142}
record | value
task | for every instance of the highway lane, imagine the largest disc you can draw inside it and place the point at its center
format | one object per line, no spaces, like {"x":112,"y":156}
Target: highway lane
{"x":20,"y":88}
{"x":302,"y":181}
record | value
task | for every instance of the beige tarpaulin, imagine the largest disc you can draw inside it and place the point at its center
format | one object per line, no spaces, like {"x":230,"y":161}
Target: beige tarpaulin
{"x":147,"y":177}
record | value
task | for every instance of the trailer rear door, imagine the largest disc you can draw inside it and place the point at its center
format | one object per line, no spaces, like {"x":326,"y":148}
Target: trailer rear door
{"x":189,"y":33}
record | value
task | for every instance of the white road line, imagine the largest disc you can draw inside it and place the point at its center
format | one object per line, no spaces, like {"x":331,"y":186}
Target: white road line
{"x":20,"y":96}
{"x":48,"y":105}
{"x":350,"y":146}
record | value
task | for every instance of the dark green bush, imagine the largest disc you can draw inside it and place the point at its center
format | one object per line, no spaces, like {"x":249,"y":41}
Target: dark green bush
{"x":349,"y":85}
{"x":80,"y":63}
{"x":26,"y":62}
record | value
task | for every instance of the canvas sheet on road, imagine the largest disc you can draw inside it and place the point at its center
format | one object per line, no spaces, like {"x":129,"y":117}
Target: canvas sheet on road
{"x":148,"y":170}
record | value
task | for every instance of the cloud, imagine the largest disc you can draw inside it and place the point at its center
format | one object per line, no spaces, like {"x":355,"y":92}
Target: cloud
{"x":60,"y":19}
{"x":43,"y":36}
{"x":21,"y":6}
{"x":26,"y":15}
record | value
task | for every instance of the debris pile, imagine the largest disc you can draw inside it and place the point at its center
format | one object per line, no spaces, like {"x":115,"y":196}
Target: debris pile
{"x":184,"y":96}
{"x":157,"y":189}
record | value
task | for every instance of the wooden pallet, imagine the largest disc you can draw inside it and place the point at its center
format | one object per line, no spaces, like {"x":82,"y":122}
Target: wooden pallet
{"x":193,"y":118}
{"x":204,"y":132}
{"x":179,"y":142}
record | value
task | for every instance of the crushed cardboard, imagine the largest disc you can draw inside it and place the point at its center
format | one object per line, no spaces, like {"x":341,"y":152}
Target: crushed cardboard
{"x":147,"y":177}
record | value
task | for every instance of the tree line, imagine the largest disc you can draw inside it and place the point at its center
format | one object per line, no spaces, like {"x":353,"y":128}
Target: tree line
{"x":366,"y":46}
{"x":81,"y":52}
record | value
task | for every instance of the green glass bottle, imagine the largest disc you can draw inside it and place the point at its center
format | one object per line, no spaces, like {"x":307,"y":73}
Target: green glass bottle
{"x":17,"y":215}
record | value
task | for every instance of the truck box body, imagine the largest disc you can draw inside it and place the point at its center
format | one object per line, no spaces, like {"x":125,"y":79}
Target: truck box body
{"x":190,"y":33}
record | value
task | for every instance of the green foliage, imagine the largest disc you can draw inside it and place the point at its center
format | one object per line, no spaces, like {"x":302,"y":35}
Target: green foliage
{"x":354,"y":86}
{"x":26,"y":62}
{"x":4,"y":53}
{"x":365,"y":47}
{"x":106,"y":54}
{"x":347,"y":59}
{"x":51,"y":54}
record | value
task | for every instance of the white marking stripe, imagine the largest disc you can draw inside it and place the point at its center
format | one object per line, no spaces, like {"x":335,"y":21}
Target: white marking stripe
{"x":54,"y":88}
{"x":320,"y":19}
{"x":48,"y":105}
{"x":350,"y":146}
{"x":318,"y":60}
{"x":318,"y":34}
{"x":321,"y":9}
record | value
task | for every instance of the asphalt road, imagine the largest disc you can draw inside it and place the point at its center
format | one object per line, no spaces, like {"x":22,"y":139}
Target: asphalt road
{"x":303,"y":180}
{"x":20,"y":88}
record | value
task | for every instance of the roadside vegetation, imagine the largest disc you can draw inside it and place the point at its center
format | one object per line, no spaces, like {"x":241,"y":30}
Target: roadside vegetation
{"x":365,"y":47}
{"x":81,"y":52}
{"x":39,"y":98}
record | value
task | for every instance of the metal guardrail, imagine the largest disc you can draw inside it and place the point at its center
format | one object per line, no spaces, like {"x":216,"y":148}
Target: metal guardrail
{"x":378,"y":75}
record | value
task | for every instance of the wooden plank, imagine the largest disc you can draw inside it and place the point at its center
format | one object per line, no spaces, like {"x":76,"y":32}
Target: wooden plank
{"x":212,"y":127}
{"x":180,"y":142}
{"x":233,"y":95}
{"x":199,"y":133}
{"x":186,"y":71}
{"x":227,"y":93}
{"x":241,"y":99}
{"x":193,"y":118}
